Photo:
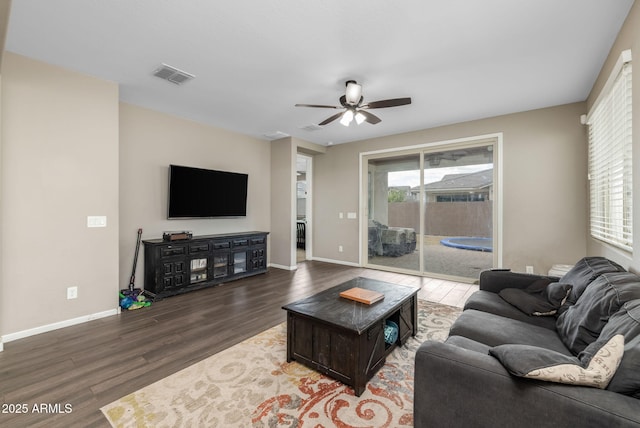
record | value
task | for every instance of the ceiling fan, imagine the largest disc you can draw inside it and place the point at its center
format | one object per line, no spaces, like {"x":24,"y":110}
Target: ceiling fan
{"x":354,"y":109}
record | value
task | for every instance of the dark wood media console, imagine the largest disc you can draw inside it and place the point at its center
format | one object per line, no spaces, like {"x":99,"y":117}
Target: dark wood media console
{"x":174,"y":267}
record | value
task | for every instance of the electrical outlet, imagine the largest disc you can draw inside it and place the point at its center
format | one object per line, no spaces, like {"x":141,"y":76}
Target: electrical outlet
{"x":340,"y":248}
{"x":72,"y":293}
{"x":529,"y":269}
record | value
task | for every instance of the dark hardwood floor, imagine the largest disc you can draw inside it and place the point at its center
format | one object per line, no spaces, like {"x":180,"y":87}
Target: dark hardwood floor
{"x":86,"y":366}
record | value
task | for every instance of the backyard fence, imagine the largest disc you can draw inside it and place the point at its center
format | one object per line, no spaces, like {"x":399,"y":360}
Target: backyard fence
{"x":445,"y":218}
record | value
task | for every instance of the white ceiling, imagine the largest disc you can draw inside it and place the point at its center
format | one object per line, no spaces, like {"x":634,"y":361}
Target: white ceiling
{"x":459,"y":60}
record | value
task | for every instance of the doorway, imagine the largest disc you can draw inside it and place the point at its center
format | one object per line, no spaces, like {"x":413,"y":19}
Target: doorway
{"x":431,"y":210}
{"x":304,"y":166}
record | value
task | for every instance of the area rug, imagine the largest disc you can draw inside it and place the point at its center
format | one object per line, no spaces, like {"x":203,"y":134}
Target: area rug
{"x":252,"y":385}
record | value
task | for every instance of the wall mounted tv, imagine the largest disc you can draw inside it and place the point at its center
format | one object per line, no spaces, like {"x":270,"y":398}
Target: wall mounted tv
{"x":206,"y":193}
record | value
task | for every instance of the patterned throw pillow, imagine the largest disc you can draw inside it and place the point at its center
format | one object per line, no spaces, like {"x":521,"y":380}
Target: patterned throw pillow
{"x":543,"y":364}
{"x":626,"y":322}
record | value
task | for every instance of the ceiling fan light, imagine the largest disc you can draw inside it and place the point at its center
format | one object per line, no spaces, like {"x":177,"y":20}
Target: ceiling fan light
{"x":353,"y":93}
{"x":347,"y":117}
{"x":359,"y":117}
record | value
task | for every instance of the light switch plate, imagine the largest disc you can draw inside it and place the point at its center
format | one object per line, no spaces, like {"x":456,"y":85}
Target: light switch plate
{"x":97,"y":221}
{"x":351,"y":216}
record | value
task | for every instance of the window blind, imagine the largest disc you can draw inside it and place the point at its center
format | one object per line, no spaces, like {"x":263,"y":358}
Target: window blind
{"x":610,"y":163}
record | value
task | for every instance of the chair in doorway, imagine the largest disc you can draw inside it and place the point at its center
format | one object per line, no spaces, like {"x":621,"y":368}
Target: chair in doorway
{"x":301,"y":234}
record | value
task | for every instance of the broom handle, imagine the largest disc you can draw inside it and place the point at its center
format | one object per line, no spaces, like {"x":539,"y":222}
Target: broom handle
{"x":135,"y":261}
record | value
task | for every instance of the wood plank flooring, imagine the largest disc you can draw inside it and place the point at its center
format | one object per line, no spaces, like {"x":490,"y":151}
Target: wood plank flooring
{"x":92,"y":364}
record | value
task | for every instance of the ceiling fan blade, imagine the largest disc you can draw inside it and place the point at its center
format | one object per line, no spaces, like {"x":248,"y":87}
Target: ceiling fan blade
{"x":388,"y":103}
{"x":369,"y":117}
{"x":316,"y":106}
{"x":331,"y":119}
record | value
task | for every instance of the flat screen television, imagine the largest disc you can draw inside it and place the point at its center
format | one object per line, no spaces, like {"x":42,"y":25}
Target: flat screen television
{"x":206,"y":193}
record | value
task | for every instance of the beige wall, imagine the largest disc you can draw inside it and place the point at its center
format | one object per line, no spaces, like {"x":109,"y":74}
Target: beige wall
{"x":283,"y":197}
{"x":544,"y":177}
{"x":5,"y":7}
{"x":1,"y":222}
{"x":283,"y":159}
{"x":149,"y":142}
{"x":59,"y":165}
{"x":628,"y":38}
{"x":72,"y":150}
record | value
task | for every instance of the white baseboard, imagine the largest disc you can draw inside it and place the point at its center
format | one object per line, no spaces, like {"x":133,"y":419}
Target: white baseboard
{"x":56,"y":325}
{"x":337,"y":262}
{"x":282,"y":266}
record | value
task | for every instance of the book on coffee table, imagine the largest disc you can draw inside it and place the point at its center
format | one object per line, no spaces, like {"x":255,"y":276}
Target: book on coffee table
{"x":362,"y":295}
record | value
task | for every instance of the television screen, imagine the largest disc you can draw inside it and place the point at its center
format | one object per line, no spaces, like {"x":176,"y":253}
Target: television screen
{"x":198,"y":193}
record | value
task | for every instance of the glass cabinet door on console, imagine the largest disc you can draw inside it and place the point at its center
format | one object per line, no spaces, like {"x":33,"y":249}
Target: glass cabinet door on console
{"x":220,"y":265}
{"x":239,"y":262}
{"x":221,"y":258}
{"x":240,"y":246}
{"x":198,"y":264}
{"x":198,"y":270}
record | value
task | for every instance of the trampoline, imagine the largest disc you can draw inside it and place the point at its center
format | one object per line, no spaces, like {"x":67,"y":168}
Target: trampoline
{"x":469,"y":243}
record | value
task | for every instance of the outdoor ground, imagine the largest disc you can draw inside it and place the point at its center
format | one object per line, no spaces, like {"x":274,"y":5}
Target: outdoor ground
{"x":441,"y":259}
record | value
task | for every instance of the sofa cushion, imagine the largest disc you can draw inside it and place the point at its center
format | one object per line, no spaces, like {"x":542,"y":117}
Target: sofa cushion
{"x":538,"y":301}
{"x":582,"y":323}
{"x":488,"y":301}
{"x":626,"y":322}
{"x":494,"y":330}
{"x":465,"y":343}
{"x":584,"y":272}
{"x":596,"y":370}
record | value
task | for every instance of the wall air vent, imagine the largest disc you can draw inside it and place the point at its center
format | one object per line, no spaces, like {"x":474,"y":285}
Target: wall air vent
{"x":172,"y":74}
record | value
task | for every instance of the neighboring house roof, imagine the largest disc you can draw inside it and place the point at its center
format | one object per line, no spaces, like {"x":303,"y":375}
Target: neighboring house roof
{"x":474,"y":181}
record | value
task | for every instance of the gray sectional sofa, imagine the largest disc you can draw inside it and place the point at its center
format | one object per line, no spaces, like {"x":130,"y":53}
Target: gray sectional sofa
{"x":526,"y":346}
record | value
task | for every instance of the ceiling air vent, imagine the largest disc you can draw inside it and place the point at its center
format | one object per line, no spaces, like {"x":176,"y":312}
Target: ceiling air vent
{"x":275,"y":135}
{"x":311,"y":128}
{"x":172,"y":74}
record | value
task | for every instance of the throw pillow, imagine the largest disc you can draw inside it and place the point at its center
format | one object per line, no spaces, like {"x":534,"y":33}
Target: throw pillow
{"x":626,"y":322}
{"x":583,"y":322}
{"x":537,"y":299}
{"x":584,"y":272}
{"x":551,"y":366}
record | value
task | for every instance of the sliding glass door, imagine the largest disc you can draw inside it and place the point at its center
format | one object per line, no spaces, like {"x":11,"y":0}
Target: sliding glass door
{"x":431,"y":210}
{"x":458,"y":211}
{"x":394,"y":212}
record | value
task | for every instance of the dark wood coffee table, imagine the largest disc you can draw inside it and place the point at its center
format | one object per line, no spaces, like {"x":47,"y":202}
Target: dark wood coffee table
{"x":344,"y":339}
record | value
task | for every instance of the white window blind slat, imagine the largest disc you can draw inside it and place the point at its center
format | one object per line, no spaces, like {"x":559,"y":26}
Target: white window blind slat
{"x":610,"y":164}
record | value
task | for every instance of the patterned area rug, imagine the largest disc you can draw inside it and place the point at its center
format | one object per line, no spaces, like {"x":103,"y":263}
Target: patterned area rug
{"x":252,"y":385}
